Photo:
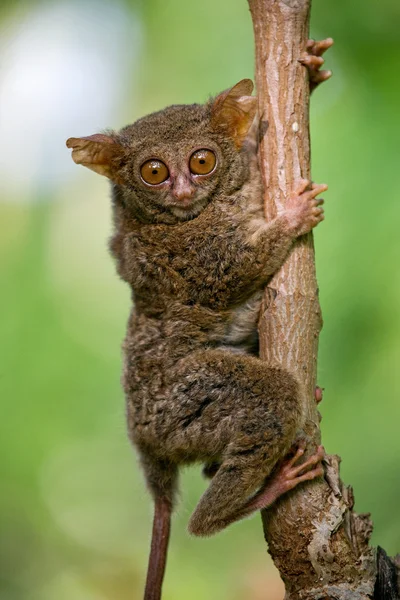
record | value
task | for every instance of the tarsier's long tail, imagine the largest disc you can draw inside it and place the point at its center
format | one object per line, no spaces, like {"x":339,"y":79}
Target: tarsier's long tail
{"x":159,"y":548}
{"x":161,"y":479}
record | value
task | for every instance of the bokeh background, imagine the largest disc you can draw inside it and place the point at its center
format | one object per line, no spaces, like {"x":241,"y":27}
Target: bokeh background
{"x":75,"y":517}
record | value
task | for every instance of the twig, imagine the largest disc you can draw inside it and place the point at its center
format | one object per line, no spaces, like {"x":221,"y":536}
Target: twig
{"x":317,"y":542}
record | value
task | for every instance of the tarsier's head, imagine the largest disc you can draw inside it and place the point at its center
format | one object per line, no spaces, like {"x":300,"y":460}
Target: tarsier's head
{"x":169,"y":165}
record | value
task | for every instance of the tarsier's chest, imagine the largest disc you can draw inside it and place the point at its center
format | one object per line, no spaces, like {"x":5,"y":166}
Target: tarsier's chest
{"x":211,"y":267}
{"x":208,"y":272}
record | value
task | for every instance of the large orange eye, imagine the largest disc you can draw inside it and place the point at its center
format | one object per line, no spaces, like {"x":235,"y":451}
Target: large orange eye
{"x":202,"y":162}
{"x":154,"y":172}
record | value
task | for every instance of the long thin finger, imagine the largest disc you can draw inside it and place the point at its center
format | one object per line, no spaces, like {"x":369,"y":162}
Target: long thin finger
{"x":311,"y":461}
{"x":320,"y":76}
{"x":295,"y":458}
{"x":312,"y":61}
{"x":317,"y":189}
{"x":322,"y":46}
{"x":306,"y":477}
{"x":318,"y":213}
{"x":301,"y":186}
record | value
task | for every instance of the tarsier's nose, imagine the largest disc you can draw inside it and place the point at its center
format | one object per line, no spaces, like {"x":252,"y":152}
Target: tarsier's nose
{"x":182,"y":189}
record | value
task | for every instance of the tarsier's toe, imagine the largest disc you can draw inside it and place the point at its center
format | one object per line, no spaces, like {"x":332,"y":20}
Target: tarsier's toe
{"x":290,"y":473}
{"x":311,"y":474}
{"x":295,"y":473}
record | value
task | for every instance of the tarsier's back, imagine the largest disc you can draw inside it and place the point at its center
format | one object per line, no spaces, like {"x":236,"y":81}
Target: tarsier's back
{"x":191,"y":241}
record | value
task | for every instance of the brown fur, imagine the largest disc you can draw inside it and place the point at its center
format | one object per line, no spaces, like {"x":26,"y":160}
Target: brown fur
{"x":194,"y":391}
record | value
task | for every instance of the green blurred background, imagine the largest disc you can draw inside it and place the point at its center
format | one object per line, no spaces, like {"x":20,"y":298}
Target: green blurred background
{"x":75,"y":517}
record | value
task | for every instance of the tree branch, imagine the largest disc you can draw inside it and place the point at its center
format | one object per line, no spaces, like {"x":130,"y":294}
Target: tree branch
{"x":318,"y":543}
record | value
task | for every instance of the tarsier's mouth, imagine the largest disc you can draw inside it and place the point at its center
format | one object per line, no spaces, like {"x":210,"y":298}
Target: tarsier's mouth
{"x":187,"y":203}
{"x":187,"y":208}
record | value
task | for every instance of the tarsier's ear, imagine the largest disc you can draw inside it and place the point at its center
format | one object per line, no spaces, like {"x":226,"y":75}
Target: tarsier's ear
{"x":234,"y":110}
{"x":98,"y":152}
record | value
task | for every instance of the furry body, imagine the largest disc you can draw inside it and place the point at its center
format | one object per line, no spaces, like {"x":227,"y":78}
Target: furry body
{"x":196,"y":252}
{"x":189,"y":392}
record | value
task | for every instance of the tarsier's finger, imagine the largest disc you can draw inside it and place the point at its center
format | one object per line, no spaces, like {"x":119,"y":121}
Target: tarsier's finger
{"x":319,"y":201}
{"x":321,"y":76}
{"x":322,"y":46}
{"x":316,"y":185}
{"x":312,"y":61}
{"x":301,"y":186}
{"x":316,"y":189}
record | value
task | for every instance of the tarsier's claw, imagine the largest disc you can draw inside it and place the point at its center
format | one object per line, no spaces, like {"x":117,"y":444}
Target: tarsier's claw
{"x":313,"y":60}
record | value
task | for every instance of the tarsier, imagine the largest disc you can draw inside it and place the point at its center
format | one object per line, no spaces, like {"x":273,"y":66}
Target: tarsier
{"x":192,"y":242}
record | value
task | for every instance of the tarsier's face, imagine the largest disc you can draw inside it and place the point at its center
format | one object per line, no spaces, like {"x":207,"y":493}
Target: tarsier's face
{"x":173,"y":162}
{"x":176,"y":161}
{"x":182,"y":181}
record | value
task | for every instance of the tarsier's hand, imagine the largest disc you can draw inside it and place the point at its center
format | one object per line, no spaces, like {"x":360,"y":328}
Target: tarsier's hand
{"x":303,"y":209}
{"x":313,"y":60}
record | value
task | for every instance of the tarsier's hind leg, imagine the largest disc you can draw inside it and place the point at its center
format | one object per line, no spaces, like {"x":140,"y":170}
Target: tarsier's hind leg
{"x":234,"y":409}
{"x":226,"y":495}
{"x":288,"y":474}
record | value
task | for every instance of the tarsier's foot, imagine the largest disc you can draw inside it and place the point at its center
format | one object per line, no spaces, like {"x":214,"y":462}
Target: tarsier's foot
{"x":287,"y":476}
{"x":303,"y":209}
{"x":313,"y":60}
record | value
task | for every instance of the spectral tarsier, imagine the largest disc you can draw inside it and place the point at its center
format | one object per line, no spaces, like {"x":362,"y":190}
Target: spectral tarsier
{"x":192,"y":242}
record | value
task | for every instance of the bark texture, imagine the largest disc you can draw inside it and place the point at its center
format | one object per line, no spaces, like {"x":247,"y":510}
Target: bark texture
{"x":318,"y":543}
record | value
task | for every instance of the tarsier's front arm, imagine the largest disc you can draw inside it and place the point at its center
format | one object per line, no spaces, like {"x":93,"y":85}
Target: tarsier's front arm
{"x":190,"y":235}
